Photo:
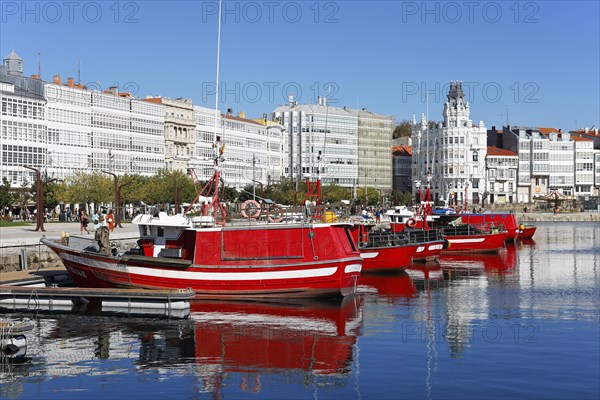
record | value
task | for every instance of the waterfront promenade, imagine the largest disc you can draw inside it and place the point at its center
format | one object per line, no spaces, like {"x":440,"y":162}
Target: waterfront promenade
{"x":15,"y":238}
{"x":26,"y":235}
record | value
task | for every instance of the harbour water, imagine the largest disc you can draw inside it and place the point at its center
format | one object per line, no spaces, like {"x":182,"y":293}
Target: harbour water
{"x":523,"y":324}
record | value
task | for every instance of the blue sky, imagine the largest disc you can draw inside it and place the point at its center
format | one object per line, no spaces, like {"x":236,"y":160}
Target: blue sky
{"x":540,"y":60}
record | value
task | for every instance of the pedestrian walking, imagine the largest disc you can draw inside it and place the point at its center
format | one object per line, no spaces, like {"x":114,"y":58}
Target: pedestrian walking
{"x":110,"y":220}
{"x":96,"y":220}
{"x":83,"y":222}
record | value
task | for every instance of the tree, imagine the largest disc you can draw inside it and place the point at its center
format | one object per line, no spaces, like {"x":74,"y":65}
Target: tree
{"x":23,"y":195}
{"x":52,"y":195}
{"x":89,"y":188}
{"x":373,"y":197}
{"x":404,"y":129}
{"x":6,"y":197}
{"x":402,"y":198}
{"x":246,"y":193}
{"x":333,"y":193}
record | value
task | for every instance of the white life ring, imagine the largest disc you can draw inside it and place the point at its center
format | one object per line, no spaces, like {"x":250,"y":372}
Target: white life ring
{"x":278,"y":217}
{"x":247,"y":208}
{"x":411,"y":222}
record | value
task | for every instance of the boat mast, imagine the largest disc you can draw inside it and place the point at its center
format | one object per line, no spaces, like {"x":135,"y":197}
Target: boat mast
{"x":218,"y":66}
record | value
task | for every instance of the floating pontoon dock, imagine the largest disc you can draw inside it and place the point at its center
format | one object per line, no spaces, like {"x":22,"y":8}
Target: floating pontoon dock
{"x":167,"y":303}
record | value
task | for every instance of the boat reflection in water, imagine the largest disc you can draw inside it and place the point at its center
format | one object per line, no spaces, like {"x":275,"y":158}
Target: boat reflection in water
{"x":502,"y":263}
{"x":307,"y":337}
{"x":429,"y":275}
{"x":389,"y":285}
{"x":223,"y":345}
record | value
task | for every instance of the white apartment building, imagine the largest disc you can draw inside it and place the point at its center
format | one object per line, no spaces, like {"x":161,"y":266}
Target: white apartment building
{"x":453,"y":152}
{"x":501,"y":169}
{"x":62,"y":128}
{"x":89,"y":130}
{"x":253,"y":150}
{"x":319,"y":134}
{"x":584,"y":165}
{"x":549,"y":160}
{"x":596,"y":173}
{"x":23,"y":128}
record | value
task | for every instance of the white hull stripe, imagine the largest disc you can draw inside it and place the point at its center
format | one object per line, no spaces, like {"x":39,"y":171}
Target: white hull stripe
{"x":232,"y":276}
{"x":203,"y":276}
{"x":436,"y":247}
{"x":474,"y":240}
{"x":369,"y":255}
{"x":353,"y":268}
{"x":420,"y":249}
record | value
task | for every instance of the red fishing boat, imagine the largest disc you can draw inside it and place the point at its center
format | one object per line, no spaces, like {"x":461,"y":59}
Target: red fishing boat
{"x":384,"y":250}
{"x":466,"y":238}
{"x":526,"y":232}
{"x":199,"y":252}
{"x":503,"y":221}
{"x":462,"y":235}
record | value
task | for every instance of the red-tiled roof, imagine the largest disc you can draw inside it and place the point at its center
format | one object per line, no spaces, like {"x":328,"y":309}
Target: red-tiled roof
{"x":547,"y":131}
{"x":156,"y":100}
{"x":496,"y":151}
{"x":581,"y":139}
{"x":589,"y":133}
{"x":402,"y":151}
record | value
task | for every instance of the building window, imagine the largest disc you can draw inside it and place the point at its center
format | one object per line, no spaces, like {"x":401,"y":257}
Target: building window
{"x":475,"y":157}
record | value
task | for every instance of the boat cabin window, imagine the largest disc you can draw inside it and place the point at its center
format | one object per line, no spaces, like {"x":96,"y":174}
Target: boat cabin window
{"x":147,"y":231}
{"x":161,"y":231}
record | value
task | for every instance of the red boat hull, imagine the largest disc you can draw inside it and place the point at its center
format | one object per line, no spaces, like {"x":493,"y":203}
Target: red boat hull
{"x":429,"y":251}
{"x":475,"y":243}
{"x":377,"y":259}
{"x":506,"y":221}
{"x":244,"y":264}
{"x":502,"y":221}
{"x":527,"y":232}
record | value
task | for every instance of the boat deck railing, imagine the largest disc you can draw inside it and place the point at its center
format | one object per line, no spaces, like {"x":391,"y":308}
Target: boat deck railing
{"x":386,"y":237}
{"x":467,"y":229}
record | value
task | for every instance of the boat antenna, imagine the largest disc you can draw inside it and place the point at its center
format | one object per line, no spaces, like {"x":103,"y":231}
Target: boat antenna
{"x":218,"y":68}
{"x":427,"y":127}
